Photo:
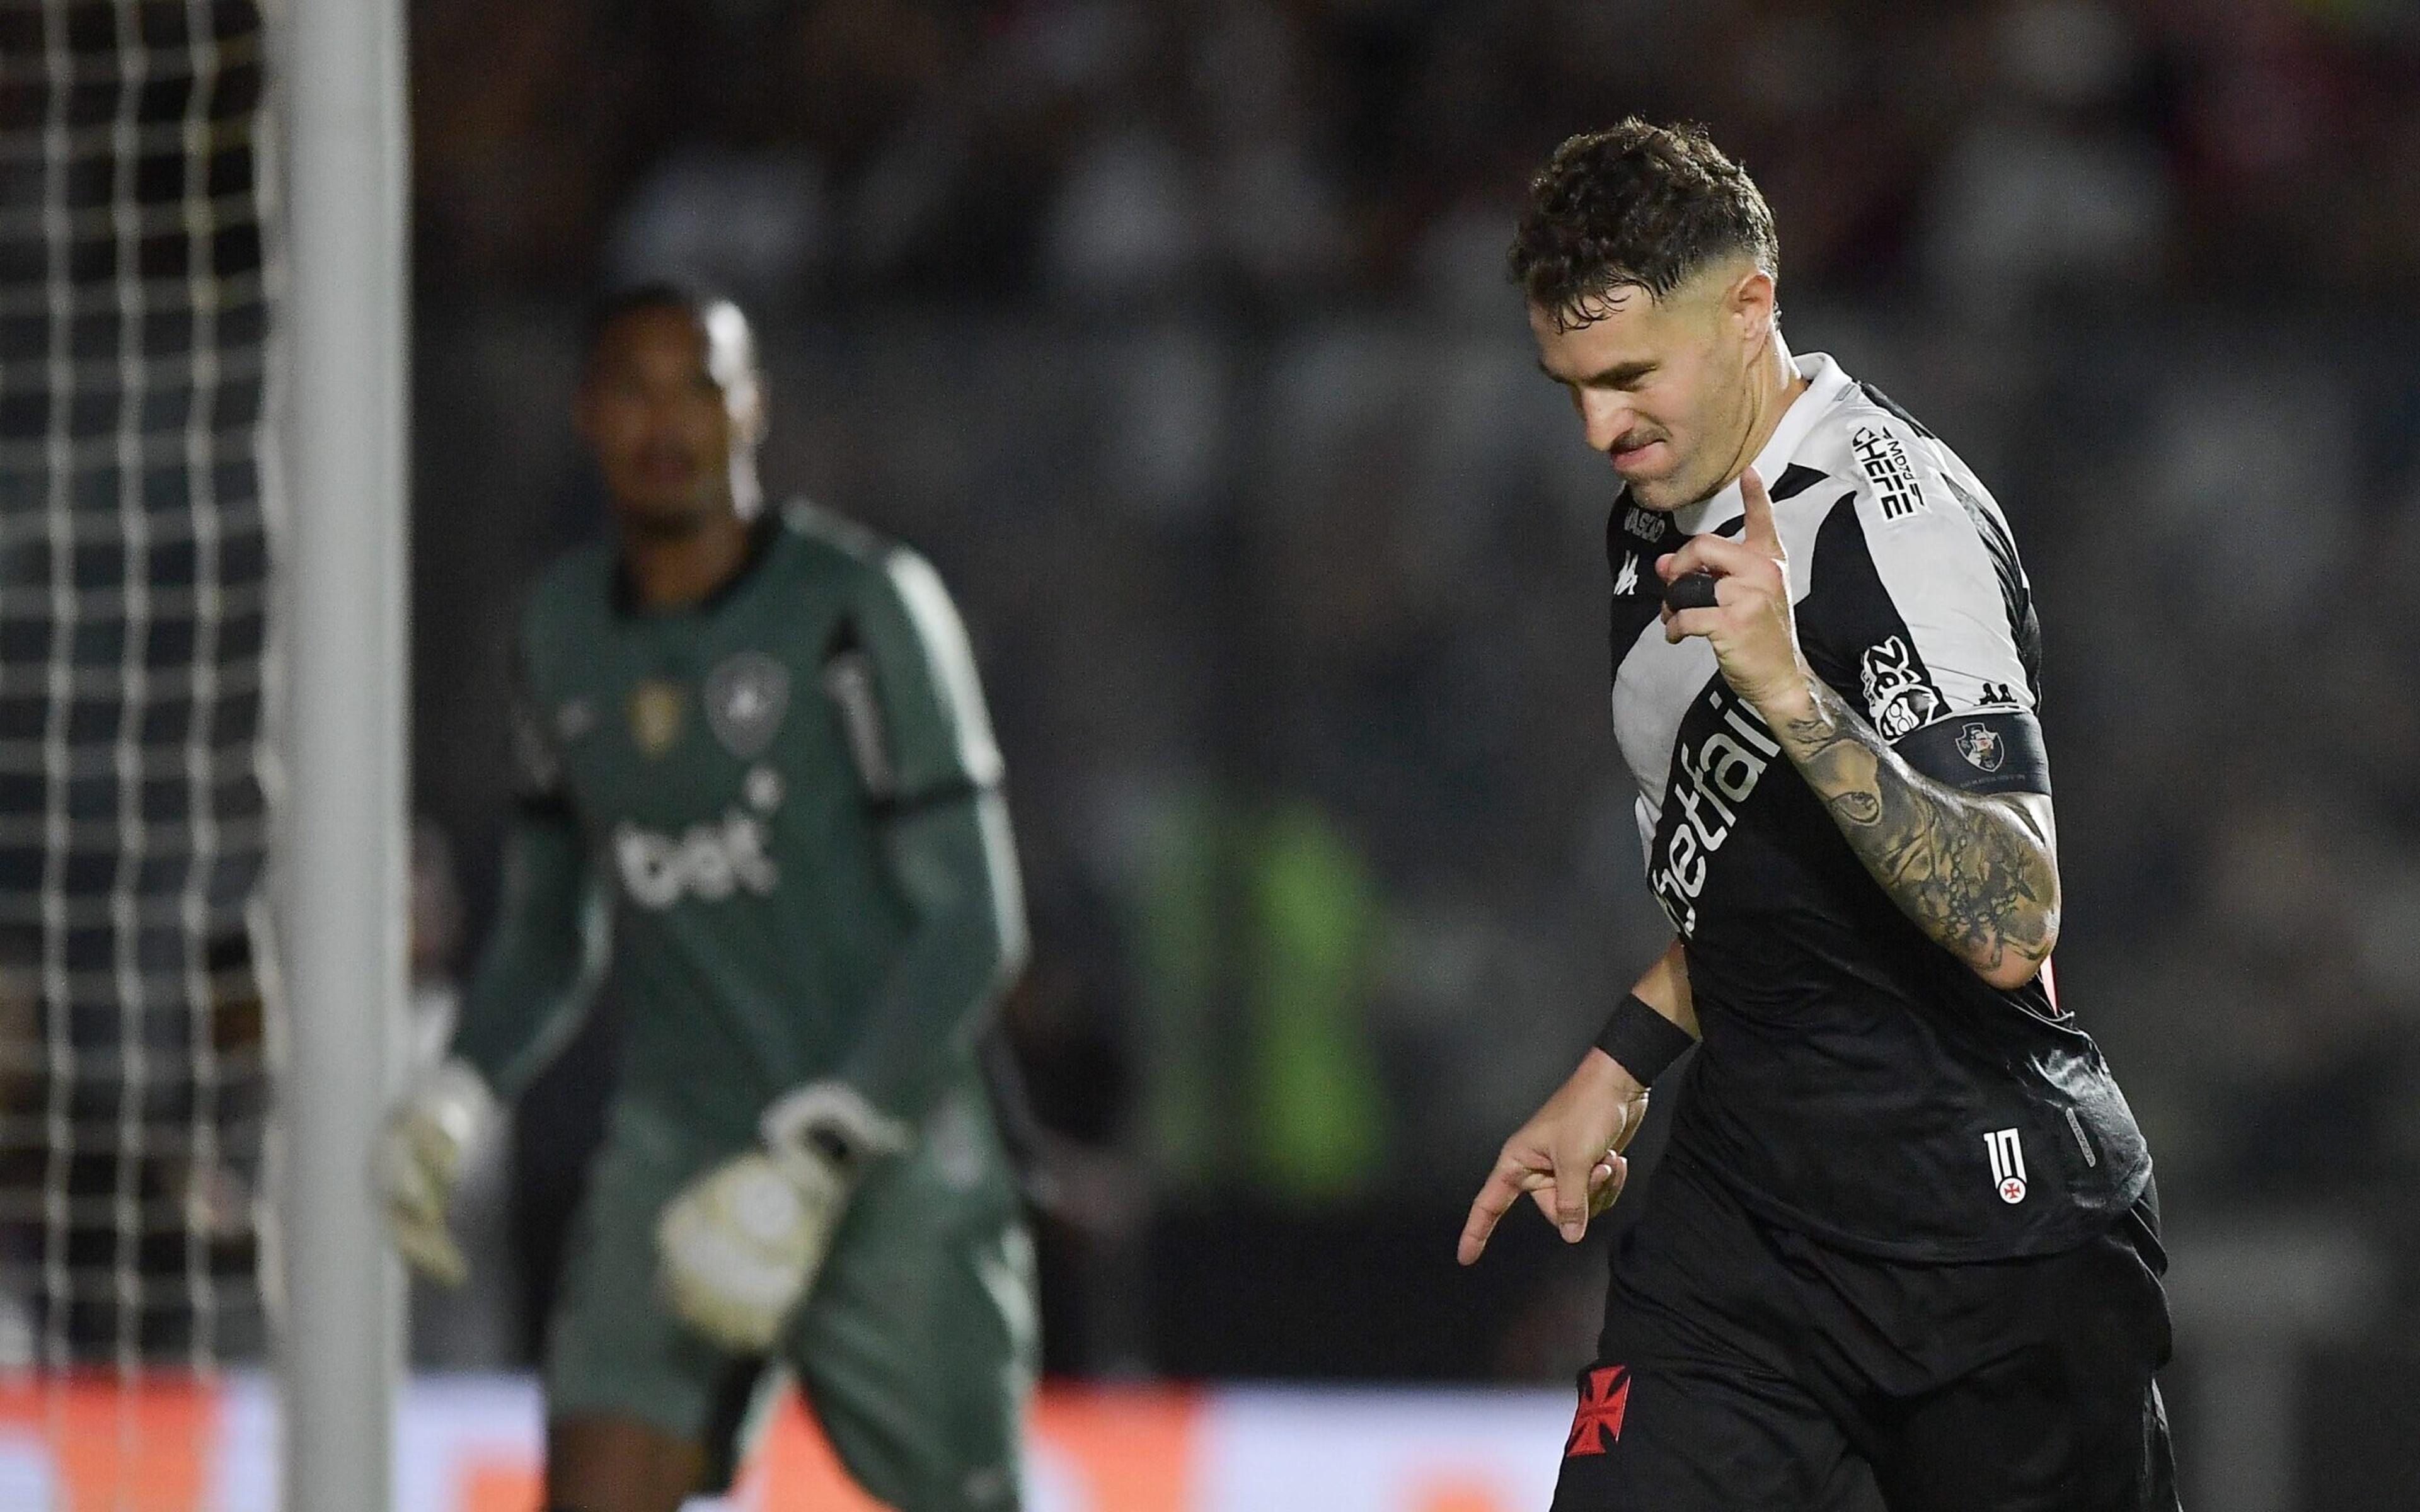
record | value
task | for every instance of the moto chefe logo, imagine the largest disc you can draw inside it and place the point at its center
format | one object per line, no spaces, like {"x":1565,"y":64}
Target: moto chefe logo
{"x":708,"y":861}
{"x":1710,"y":781}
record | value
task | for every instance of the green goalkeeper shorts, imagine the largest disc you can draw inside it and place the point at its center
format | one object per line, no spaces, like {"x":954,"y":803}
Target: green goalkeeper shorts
{"x":917,"y":1347}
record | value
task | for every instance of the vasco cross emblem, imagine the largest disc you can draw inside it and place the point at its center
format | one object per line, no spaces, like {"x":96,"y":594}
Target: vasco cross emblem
{"x":1982,"y":747}
{"x":745,"y":698}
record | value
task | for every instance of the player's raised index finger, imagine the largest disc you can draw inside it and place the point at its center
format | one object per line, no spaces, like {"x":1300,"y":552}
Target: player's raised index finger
{"x":1756,"y":511}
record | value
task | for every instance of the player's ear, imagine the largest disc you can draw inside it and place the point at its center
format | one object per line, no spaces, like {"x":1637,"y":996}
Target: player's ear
{"x":1752,"y":305}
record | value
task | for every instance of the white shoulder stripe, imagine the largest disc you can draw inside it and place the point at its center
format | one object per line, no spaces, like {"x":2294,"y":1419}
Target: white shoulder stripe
{"x":944,"y":638}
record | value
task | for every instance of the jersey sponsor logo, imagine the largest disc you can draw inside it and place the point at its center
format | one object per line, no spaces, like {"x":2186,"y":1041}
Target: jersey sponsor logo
{"x":708,"y":861}
{"x":745,"y":698}
{"x":1982,"y":747}
{"x":654,"y":715}
{"x":1700,"y":804}
{"x":1625,"y":581}
{"x":1604,"y":1401}
{"x":1898,"y":698}
{"x":2008,"y":1164}
{"x":1885,"y":465}
{"x":1646,"y":524}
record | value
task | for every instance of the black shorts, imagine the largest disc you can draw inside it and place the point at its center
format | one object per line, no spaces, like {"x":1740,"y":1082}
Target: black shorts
{"x":1747,"y":1368}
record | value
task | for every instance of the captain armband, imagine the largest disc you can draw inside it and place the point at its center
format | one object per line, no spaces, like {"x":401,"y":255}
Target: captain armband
{"x":1644,"y":1042}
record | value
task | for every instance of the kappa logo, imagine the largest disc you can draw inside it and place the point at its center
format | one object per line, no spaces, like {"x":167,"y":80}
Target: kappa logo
{"x":2008,"y":1164}
{"x":1625,"y":581}
{"x":573,"y":719}
{"x":1982,"y":747}
{"x":1886,"y":467}
{"x":1603,"y":1403}
{"x":534,"y":755}
{"x":1898,"y":698}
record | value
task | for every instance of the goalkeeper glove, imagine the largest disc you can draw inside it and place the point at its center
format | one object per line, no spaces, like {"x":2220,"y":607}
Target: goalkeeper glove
{"x":420,"y":1156}
{"x":741,"y":1244}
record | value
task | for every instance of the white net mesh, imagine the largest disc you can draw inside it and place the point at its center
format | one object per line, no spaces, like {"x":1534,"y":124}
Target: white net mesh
{"x":133,"y":586}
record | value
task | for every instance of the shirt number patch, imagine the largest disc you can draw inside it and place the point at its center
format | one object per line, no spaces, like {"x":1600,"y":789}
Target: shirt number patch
{"x":2008,"y":1164}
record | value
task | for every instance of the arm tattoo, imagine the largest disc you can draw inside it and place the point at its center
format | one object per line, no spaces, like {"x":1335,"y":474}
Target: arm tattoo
{"x":1969,"y":869}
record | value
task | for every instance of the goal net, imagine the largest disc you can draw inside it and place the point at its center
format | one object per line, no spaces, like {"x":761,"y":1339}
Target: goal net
{"x":133,"y":595}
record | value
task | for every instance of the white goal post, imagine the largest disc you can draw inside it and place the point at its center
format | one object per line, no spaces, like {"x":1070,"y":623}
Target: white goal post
{"x":342,"y":871}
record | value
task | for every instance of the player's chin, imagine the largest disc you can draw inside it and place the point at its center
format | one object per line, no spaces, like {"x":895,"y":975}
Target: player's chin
{"x":1661,"y":491}
{"x":661,"y":510}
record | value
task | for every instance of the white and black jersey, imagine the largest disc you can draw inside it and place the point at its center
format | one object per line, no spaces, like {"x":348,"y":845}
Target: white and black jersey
{"x":1857,"y":1081}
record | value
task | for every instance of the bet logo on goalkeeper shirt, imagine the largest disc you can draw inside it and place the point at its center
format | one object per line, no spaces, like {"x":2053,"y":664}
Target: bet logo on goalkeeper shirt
{"x":709,"y":862}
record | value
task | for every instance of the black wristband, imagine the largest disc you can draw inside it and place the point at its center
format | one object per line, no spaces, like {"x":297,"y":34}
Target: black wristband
{"x":1642,"y":1039}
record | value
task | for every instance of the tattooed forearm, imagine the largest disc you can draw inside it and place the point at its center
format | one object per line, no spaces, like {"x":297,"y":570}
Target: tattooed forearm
{"x":1971,"y":870}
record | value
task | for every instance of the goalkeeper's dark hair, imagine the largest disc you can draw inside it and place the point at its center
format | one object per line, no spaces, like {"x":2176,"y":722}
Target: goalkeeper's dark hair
{"x":1636,"y":207}
{"x":683,"y":294}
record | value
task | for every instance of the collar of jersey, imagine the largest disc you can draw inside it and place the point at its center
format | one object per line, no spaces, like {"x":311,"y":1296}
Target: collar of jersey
{"x":1826,"y":382}
{"x":763,"y":531}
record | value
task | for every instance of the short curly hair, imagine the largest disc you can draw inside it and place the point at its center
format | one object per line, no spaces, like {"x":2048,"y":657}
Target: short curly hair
{"x":1639,"y":206}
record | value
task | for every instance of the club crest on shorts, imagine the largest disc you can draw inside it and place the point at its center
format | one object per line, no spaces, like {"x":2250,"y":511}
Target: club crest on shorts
{"x":1982,"y":747}
{"x":2008,"y":1164}
{"x":1604,"y":1400}
{"x":654,"y":715}
{"x":745,"y":698}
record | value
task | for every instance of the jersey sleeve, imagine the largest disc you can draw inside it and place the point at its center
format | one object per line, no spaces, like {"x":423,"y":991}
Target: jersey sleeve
{"x":535,"y":978}
{"x":902,"y":679}
{"x":1926,"y":622}
{"x":913,"y":714}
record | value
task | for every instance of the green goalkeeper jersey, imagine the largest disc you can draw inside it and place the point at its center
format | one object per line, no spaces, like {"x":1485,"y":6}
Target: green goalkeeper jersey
{"x":771,"y":822}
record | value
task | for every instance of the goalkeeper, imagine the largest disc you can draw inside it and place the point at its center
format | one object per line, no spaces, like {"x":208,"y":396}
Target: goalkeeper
{"x":757,"y":763}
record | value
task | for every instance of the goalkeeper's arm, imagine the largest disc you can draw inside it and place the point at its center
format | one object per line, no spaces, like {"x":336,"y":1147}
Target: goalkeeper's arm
{"x":538,"y":974}
{"x":531,"y":987}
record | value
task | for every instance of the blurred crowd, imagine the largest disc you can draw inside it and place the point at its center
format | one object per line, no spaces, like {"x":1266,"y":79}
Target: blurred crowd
{"x":1176,"y":335}
{"x":1099,"y":152}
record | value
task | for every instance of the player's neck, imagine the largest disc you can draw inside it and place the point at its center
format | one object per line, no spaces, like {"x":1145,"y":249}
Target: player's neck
{"x":1775,"y":383}
{"x":667,"y":571}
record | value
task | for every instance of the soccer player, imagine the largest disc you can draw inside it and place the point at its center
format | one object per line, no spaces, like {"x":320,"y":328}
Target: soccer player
{"x":1907,"y":1219}
{"x":761,"y":797}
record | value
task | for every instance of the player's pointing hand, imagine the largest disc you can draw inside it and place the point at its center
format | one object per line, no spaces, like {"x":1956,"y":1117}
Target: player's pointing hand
{"x":1749,"y":623}
{"x":1568,"y":1159}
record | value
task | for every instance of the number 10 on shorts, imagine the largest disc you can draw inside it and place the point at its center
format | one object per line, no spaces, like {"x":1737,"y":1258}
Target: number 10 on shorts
{"x":2008,"y":1164}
